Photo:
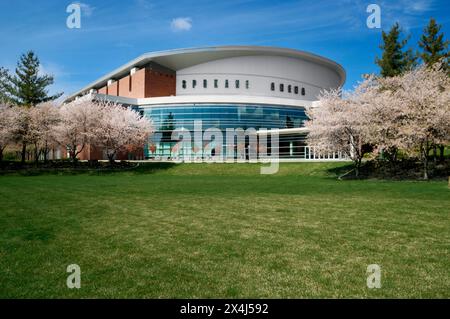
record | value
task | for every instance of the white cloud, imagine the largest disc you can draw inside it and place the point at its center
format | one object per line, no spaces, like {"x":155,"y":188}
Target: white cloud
{"x":51,"y":69}
{"x":145,"y":4}
{"x":181,"y":24}
{"x":410,"y":14}
{"x":418,"y":6}
{"x":86,"y":9}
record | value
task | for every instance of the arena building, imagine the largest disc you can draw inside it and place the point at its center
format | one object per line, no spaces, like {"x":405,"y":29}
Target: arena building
{"x":224,"y":87}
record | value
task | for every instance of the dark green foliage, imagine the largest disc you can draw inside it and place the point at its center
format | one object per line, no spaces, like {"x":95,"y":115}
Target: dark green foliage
{"x":27,"y":87}
{"x":3,"y":80}
{"x":434,"y":47}
{"x":395,"y":59}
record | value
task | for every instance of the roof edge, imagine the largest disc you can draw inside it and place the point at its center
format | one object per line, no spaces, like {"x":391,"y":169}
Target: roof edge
{"x":147,"y":57}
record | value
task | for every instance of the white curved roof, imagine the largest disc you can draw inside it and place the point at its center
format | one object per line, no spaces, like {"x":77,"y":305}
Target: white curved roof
{"x":183,"y":58}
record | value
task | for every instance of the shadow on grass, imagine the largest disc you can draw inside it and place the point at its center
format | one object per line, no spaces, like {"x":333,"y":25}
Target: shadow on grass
{"x":340,"y":170}
{"x":83,"y":168}
{"x":406,"y":169}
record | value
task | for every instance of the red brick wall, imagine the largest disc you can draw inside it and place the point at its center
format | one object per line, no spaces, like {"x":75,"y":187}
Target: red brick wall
{"x":132,"y":154}
{"x":159,"y":84}
{"x":138,"y":84}
{"x":102,"y":90}
{"x":90,"y":152}
{"x":125,"y":87}
{"x":143,"y":83}
{"x":113,"y":89}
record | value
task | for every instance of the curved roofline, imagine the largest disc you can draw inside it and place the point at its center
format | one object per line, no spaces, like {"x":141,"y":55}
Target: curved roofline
{"x":205,"y":54}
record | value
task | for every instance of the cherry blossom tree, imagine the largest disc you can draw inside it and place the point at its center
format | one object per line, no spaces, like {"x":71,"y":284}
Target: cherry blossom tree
{"x":41,"y":131}
{"x":102,"y":124}
{"x":20,"y":132}
{"x":421,"y":100}
{"x":339,"y":124}
{"x":9,"y":125}
{"x":121,"y":129}
{"x":78,"y":125}
{"x":410,"y":112}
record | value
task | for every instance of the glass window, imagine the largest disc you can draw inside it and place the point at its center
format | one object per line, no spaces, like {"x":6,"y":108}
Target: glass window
{"x":194,"y":83}
{"x":216,"y":83}
{"x":183,"y":84}
{"x":296,"y":89}
{"x":281,"y":87}
{"x":272,"y":86}
{"x":303,"y":91}
{"x":247,"y":84}
{"x":226,"y":84}
{"x":289,"y":88}
{"x":205,"y":83}
{"x":237,"y":84}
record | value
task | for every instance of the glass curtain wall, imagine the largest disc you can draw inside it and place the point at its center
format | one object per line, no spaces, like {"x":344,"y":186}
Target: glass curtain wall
{"x":222,"y":116}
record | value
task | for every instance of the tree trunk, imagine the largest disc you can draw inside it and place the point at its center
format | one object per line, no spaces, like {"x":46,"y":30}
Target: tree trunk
{"x":441,"y":152}
{"x":425,"y":168}
{"x":46,"y":151}
{"x":73,"y":155}
{"x":36,"y":155}
{"x":357,"y":166}
{"x":425,"y":161}
{"x":24,"y":152}
{"x":1,"y":156}
{"x":434,"y":154}
{"x":111,"y":158}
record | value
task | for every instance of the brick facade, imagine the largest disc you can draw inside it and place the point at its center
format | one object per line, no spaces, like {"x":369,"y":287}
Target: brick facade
{"x":159,"y":83}
{"x":90,"y":152}
{"x":150,"y":81}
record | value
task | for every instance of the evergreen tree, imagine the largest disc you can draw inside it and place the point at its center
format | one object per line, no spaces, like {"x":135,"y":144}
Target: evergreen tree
{"x":395,"y":60}
{"x":433,"y":46}
{"x":26,"y":87}
{"x":3,"y":80}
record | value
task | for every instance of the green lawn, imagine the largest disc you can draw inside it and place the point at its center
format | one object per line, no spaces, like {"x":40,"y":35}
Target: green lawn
{"x":205,"y":230}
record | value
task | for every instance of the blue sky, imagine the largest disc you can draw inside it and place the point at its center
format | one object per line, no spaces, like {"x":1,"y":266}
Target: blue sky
{"x":114,"y":32}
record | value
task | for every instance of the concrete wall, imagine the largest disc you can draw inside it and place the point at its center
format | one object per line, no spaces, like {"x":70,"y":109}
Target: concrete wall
{"x":260,"y":71}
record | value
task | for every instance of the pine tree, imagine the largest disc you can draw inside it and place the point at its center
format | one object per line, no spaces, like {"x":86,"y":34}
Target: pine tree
{"x":395,"y":60}
{"x":26,"y":87}
{"x":3,"y":81}
{"x":434,"y":48}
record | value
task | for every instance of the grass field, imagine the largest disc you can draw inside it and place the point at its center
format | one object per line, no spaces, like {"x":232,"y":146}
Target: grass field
{"x":205,"y":230}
